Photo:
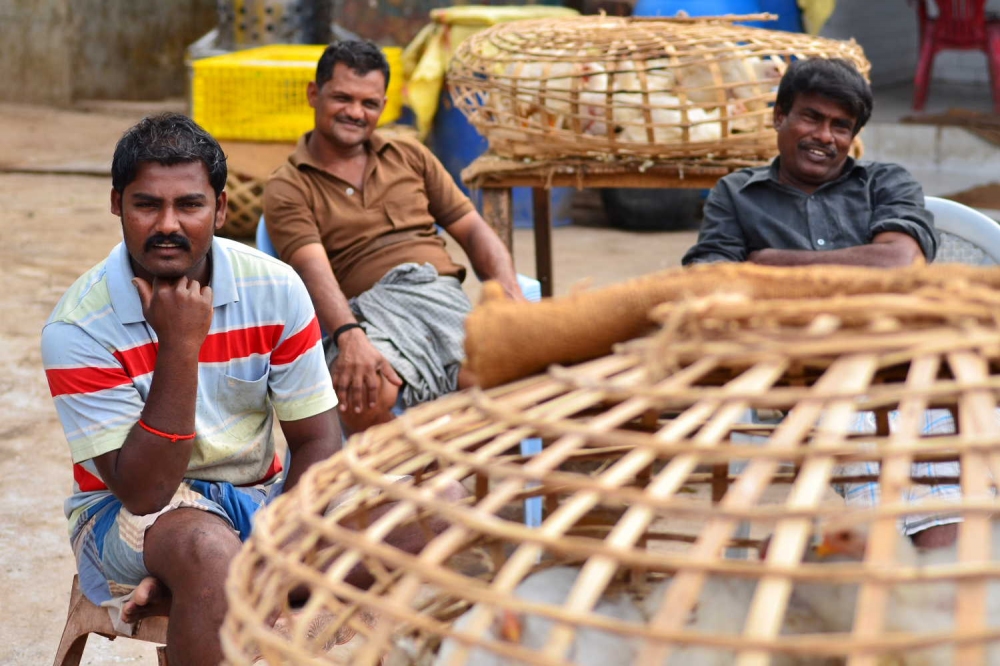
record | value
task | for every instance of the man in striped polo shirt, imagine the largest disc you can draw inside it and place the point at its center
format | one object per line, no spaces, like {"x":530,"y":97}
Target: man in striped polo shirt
{"x":168,"y":362}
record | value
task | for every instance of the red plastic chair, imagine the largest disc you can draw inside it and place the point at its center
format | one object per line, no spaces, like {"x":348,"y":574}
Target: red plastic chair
{"x":960,"y":25}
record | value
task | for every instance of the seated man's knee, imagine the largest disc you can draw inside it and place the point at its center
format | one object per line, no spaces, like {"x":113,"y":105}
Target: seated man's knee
{"x":188,"y":545}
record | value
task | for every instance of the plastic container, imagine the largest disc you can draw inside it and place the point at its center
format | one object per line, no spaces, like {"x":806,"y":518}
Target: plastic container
{"x":667,"y":8}
{"x":789,"y":16}
{"x":457,"y":143}
{"x":260,"y":94}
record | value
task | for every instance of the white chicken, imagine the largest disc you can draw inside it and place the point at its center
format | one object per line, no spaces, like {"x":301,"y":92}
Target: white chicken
{"x":918,"y":608}
{"x":722,"y":609}
{"x":666,"y":119}
{"x":628,"y":75}
{"x":546,"y":89}
{"x":741,"y":78}
{"x":590,"y":647}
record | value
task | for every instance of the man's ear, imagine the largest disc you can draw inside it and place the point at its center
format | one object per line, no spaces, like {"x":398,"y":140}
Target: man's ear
{"x":221,"y":210}
{"x":116,"y":202}
{"x":778,"y":117}
{"x":312,"y":93}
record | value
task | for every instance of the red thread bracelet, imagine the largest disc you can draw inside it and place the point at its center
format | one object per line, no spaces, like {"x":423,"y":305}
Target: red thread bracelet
{"x":166,"y":435}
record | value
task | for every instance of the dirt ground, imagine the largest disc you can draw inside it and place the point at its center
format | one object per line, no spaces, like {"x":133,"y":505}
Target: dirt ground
{"x":53,"y":227}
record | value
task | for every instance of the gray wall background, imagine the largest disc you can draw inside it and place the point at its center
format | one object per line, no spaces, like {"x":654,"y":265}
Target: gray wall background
{"x":887,"y":31}
{"x":58,"y":51}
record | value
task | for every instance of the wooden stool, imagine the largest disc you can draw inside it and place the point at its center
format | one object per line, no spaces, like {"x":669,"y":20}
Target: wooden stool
{"x":84,"y":618}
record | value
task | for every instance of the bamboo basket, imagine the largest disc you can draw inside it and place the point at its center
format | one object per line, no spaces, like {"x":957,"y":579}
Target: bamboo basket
{"x":630,"y":87}
{"x":244,"y":206}
{"x":642,"y":498}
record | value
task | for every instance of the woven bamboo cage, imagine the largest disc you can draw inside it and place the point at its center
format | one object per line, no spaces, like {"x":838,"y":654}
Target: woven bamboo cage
{"x":244,"y":206}
{"x":630,"y":87}
{"x":648,"y":478}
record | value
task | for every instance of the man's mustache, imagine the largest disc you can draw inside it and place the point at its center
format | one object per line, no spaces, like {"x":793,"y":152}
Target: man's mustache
{"x":350,"y":121}
{"x":173,"y":239}
{"x":821,"y":147}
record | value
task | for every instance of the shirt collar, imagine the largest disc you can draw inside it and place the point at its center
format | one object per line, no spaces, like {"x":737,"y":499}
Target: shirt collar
{"x":125,"y":297}
{"x":770,"y":172}
{"x":300,"y":156}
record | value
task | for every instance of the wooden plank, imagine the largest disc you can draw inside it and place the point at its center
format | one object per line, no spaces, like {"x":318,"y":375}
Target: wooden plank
{"x":651,"y":178}
{"x":498,"y":213}
{"x":542,"y":209}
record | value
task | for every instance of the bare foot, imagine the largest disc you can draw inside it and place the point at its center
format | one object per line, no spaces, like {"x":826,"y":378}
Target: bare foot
{"x":149,"y":598}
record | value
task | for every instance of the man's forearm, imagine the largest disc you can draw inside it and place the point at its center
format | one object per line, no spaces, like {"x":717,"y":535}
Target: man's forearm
{"x":305,"y":457}
{"x":310,"y":440}
{"x":147,"y":470}
{"x":878,"y":255}
{"x":491,"y":261}
{"x":332,"y":308}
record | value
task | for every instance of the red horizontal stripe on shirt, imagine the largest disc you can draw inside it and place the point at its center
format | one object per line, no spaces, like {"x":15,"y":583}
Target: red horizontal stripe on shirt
{"x":297,"y":345}
{"x":239,"y":343}
{"x":86,"y":480}
{"x":217,"y":348}
{"x":138,"y":361}
{"x":84,"y":380}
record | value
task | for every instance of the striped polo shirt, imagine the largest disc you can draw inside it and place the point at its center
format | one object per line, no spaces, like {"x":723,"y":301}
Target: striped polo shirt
{"x":263,"y":351}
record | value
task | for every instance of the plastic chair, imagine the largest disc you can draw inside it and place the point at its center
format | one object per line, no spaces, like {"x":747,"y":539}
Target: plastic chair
{"x":84,"y":618}
{"x":960,"y":25}
{"x":967,"y":236}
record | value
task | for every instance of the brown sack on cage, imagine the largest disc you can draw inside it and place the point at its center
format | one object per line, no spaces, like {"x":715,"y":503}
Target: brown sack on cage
{"x":507,"y":340}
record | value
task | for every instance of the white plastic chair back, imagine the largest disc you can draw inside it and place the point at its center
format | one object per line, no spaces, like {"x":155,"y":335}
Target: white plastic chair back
{"x":967,"y":236}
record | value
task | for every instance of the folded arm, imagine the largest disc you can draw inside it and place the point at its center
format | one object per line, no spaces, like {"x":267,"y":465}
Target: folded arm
{"x":887,"y":250}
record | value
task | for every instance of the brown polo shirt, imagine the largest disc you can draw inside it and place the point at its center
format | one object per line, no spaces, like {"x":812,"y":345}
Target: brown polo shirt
{"x":366,"y":233}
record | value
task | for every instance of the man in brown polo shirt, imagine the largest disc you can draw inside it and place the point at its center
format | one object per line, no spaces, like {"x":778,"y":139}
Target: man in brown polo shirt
{"x":355,"y":215}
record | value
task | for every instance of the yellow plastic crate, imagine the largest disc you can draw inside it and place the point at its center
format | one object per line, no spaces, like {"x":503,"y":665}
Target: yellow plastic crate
{"x":260,"y":94}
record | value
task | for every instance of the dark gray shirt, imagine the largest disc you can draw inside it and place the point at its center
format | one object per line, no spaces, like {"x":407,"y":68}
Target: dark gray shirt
{"x":750,"y":210}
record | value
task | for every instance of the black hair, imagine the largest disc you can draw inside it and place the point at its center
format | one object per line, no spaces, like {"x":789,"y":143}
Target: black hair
{"x":834,"y":78}
{"x":360,"y":56}
{"x":167,"y":139}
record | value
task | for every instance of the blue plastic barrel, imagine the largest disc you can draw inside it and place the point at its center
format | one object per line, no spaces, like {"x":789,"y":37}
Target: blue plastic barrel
{"x":699,"y":8}
{"x":789,"y":17}
{"x":457,"y":143}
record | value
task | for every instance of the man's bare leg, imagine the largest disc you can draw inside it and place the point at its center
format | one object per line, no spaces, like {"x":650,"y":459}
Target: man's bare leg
{"x":938,"y":536}
{"x":189,"y":552}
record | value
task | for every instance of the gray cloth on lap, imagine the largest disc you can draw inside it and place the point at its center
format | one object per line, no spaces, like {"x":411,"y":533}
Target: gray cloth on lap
{"x":416,"y":319}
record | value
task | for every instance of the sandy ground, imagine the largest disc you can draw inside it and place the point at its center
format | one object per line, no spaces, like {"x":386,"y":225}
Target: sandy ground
{"x":54,"y":227}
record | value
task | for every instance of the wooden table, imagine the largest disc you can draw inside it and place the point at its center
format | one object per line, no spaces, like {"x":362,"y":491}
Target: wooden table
{"x":495,"y":176}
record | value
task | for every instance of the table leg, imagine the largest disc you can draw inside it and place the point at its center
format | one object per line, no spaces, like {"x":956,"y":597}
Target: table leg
{"x":498,"y":213}
{"x":543,"y":239}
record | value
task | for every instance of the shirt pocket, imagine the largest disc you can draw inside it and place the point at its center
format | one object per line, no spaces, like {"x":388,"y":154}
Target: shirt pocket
{"x":242,"y":404}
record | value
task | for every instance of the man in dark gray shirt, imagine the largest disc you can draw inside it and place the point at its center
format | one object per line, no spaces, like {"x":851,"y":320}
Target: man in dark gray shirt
{"x":814,"y":204}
